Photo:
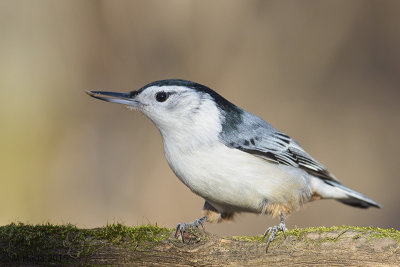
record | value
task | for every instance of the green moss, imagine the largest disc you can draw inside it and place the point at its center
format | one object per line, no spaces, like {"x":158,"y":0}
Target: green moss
{"x":257,"y":238}
{"x":119,"y":234}
{"x":47,"y":242}
{"x":302,"y":234}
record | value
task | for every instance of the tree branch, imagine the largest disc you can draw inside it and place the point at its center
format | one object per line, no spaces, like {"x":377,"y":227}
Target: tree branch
{"x":154,"y":246}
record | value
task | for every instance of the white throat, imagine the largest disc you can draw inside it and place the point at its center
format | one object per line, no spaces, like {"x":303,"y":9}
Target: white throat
{"x":199,"y":128}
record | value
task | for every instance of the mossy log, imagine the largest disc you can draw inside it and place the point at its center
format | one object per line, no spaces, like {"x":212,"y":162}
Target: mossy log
{"x":150,"y":245}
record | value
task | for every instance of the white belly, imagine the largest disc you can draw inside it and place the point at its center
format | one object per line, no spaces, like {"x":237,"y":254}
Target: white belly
{"x":237,"y":181}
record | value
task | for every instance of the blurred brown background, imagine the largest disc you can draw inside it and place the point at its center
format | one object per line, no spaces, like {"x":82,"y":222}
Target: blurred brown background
{"x":325,"y":72}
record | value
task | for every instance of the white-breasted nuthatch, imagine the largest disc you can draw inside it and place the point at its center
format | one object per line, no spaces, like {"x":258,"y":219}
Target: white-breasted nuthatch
{"x":233,"y":159}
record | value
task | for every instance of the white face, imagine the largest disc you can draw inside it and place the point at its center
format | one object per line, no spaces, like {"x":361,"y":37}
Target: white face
{"x":169,"y":106}
{"x":177,"y":111}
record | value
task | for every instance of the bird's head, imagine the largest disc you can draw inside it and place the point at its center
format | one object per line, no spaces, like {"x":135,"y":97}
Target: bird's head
{"x":176,"y":107}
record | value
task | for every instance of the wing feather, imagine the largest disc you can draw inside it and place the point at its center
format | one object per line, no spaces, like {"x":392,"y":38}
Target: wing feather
{"x":259,"y":138}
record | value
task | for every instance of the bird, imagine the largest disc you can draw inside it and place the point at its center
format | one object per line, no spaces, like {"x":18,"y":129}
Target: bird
{"x":233,"y":159}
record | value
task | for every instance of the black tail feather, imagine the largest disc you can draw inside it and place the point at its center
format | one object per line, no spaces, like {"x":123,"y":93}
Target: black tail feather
{"x":354,"y":198}
{"x":354,"y":202}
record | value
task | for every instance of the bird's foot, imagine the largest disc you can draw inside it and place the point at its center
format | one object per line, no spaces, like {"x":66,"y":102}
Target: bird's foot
{"x":182,"y":227}
{"x":272,"y":231}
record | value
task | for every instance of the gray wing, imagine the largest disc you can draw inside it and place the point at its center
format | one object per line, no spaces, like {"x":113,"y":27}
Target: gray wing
{"x":251,"y":134}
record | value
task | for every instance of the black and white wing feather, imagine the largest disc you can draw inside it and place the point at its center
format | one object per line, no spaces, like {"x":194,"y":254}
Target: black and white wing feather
{"x":251,"y":134}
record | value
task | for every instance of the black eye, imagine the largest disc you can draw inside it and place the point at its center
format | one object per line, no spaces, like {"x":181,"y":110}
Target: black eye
{"x":161,"y":96}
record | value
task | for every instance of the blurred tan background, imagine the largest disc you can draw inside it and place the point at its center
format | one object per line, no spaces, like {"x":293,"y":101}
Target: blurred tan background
{"x":326,"y":73}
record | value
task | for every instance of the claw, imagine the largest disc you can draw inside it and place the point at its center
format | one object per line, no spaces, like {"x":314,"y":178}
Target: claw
{"x":273,"y":230}
{"x":200,"y":222}
{"x":284,"y":231}
{"x":181,"y":227}
{"x":269,"y":229}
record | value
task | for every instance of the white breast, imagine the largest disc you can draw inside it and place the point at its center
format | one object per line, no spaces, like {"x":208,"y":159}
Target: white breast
{"x":235,"y":180}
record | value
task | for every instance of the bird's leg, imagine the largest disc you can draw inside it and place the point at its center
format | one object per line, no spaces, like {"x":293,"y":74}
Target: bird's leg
{"x":181,"y":227}
{"x":274,"y":229}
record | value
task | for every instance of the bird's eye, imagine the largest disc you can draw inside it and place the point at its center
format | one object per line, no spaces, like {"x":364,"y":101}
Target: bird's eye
{"x":161,"y":96}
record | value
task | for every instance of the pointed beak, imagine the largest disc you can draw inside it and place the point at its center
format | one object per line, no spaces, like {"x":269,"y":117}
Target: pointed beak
{"x":113,"y":97}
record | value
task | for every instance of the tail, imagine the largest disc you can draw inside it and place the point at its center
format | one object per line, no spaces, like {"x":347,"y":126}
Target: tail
{"x":352,"y":197}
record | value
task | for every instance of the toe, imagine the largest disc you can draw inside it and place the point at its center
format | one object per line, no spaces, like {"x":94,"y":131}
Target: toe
{"x":181,"y":229}
{"x":269,"y":229}
{"x":272,"y":231}
{"x":177,"y":229}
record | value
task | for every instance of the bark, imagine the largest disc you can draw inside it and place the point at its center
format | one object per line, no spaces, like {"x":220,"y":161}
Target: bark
{"x":341,"y":247}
